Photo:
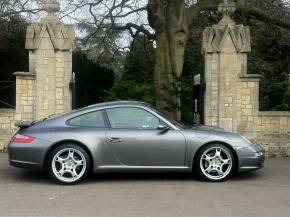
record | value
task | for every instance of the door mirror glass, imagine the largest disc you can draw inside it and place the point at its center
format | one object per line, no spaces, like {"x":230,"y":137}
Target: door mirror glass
{"x":162,"y":127}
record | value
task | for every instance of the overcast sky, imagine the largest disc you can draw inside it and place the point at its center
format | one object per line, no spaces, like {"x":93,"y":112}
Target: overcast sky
{"x":72,"y":15}
{"x":69,"y":14}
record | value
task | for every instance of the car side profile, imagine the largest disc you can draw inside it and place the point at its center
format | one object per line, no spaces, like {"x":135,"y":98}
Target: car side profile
{"x":129,"y":136}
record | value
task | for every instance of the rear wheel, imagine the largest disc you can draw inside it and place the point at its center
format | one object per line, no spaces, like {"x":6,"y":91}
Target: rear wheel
{"x":215,"y":163}
{"x":69,"y":164}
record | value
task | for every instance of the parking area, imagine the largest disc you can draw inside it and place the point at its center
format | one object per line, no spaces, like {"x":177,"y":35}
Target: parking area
{"x":261,"y":193}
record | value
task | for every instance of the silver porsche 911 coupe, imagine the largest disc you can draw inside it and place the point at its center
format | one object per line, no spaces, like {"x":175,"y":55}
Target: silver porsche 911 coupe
{"x":129,"y":136}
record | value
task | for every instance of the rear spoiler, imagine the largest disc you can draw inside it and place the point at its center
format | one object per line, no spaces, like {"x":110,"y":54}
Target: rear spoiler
{"x":24,"y":124}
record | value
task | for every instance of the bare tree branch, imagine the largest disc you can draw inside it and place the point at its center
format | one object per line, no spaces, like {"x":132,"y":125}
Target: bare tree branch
{"x":18,"y":7}
{"x":261,"y":9}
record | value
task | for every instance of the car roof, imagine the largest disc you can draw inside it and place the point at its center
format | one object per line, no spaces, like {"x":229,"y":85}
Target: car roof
{"x":98,"y":106}
{"x":118,"y":103}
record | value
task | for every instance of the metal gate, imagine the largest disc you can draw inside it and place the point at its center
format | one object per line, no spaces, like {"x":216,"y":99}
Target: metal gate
{"x":198,"y":98}
{"x":7,"y":94}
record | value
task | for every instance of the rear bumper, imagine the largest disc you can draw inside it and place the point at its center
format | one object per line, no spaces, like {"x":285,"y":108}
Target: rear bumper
{"x":28,"y":156}
{"x":25,"y":165}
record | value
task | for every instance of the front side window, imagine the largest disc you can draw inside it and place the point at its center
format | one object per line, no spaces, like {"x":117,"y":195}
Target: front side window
{"x":132,"y":118}
{"x":92,"y":119}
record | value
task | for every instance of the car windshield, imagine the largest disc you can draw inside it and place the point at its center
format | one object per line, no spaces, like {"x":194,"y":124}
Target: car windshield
{"x":171,"y":120}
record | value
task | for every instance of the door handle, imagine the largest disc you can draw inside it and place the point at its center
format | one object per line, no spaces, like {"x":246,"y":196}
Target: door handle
{"x":114,"y":140}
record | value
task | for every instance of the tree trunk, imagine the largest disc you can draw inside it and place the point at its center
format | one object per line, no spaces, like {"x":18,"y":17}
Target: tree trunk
{"x":169,"y":22}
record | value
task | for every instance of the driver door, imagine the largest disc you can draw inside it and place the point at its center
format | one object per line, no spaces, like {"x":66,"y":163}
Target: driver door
{"x":134,"y":139}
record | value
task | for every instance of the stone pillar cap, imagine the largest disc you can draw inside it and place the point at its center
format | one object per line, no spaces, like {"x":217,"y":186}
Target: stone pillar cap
{"x":51,"y":7}
{"x":227,"y":9}
{"x":25,"y":75}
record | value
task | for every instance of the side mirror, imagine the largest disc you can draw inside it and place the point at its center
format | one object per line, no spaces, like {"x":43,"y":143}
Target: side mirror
{"x":162,"y":127}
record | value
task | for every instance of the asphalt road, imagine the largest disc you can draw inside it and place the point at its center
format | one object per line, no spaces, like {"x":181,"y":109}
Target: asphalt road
{"x":263,"y":193}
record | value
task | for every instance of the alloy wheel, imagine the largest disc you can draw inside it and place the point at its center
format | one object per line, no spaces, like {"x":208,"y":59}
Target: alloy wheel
{"x":216,"y":163}
{"x":69,"y":165}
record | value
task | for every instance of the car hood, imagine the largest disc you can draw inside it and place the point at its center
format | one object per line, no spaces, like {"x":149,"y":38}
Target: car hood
{"x":207,"y":128}
{"x":218,"y":133}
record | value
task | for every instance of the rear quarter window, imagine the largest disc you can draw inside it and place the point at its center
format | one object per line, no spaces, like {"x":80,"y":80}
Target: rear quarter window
{"x":92,"y":119}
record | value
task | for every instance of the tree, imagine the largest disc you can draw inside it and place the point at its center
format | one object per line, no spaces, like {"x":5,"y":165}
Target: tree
{"x":170,"y":21}
{"x":131,"y":90}
{"x":92,"y":80}
{"x":12,"y":8}
{"x":101,"y":46}
{"x":13,"y":57}
{"x":139,"y":64}
{"x":137,"y":80}
{"x":270,"y":57}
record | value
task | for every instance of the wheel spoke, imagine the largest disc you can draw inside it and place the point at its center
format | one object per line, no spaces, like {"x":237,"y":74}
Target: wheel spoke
{"x":207,"y":158}
{"x":218,"y":153}
{"x":226,"y":162}
{"x":73,"y":173}
{"x":79,"y":162}
{"x":220,"y":172}
{"x":209,"y":169}
{"x":61,"y":172}
{"x":71,"y":154}
{"x":59,"y":160}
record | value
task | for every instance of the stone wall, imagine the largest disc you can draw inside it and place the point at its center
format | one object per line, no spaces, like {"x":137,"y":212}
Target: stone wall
{"x":232,"y":95}
{"x":7,"y":126}
{"x":25,"y":96}
{"x":269,"y":128}
{"x":44,"y":90}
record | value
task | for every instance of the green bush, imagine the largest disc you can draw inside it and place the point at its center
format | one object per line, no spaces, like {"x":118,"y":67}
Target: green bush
{"x":131,"y":90}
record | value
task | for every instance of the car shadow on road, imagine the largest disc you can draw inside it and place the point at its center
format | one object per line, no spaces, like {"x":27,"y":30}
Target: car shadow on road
{"x":144,"y":177}
{"x":147,"y":177}
{"x":247,"y":176}
{"x":25,"y":176}
{"x":33,"y":177}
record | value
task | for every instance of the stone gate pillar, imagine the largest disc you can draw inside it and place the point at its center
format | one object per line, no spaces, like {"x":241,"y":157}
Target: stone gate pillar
{"x":225,"y":47}
{"x":50,"y":45}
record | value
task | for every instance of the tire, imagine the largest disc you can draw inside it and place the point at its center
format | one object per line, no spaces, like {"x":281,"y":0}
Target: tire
{"x":69,"y":164}
{"x":215,"y":163}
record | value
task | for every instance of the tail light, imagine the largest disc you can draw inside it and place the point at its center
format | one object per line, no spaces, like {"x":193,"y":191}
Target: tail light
{"x":20,"y":138}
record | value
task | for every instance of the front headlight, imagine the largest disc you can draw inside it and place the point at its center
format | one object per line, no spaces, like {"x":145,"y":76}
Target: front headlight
{"x":246,"y":139}
{"x":259,"y":154}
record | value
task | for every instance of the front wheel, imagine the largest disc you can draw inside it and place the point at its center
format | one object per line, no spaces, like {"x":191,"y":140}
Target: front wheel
{"x":69,"y":164}
{"x":215,"y":163}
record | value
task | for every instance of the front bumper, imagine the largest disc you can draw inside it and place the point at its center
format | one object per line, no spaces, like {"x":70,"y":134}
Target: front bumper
{"x":251,"y":163}
{"x":251,"y":158}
